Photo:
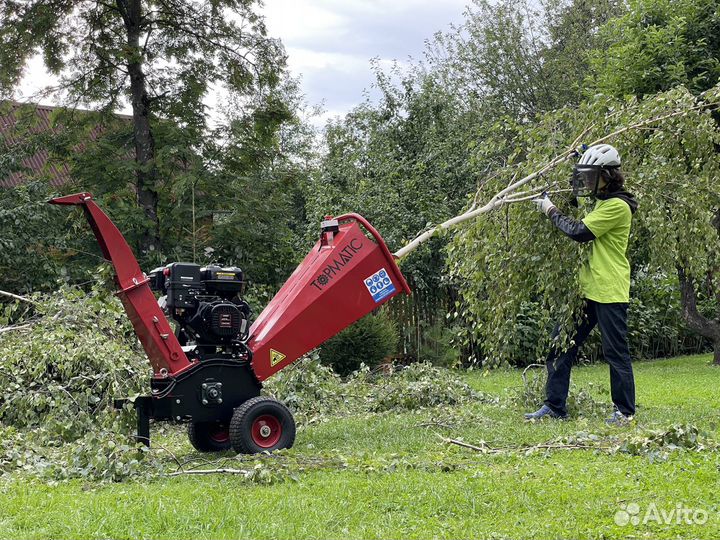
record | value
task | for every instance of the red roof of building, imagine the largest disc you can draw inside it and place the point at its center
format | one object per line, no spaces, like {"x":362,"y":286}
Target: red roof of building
{"x":36,"y":162}
{"x":59,"y":173}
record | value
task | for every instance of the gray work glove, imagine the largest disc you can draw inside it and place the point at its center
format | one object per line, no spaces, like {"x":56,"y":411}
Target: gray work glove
{"x":544,"y":204}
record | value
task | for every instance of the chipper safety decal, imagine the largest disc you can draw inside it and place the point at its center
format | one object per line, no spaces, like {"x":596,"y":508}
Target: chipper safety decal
{"x":276,"y":357}
{"x":379,"y":285}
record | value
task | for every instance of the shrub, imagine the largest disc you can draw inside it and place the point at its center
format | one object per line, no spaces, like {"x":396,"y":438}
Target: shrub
{"x":368,"y":342}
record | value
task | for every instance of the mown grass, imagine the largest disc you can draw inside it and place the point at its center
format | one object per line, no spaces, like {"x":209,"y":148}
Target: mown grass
{"x":391,"y":476}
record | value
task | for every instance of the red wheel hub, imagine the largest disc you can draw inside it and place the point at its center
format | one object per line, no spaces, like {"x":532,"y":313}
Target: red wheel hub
{"x":266,"y":431}
{"x":219,"y":434}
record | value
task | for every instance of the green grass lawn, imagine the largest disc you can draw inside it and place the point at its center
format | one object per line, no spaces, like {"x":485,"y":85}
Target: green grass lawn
{"x":391,"y":476}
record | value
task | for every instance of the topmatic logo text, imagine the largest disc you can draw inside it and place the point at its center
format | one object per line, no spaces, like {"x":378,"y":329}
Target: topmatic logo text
{"x":335,"y":267}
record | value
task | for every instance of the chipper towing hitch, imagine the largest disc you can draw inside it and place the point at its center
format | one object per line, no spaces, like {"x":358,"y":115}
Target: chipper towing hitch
{"x":208,"y":371}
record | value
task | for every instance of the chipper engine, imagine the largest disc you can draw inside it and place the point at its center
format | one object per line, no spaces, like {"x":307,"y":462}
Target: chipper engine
{"x":208,"y":370}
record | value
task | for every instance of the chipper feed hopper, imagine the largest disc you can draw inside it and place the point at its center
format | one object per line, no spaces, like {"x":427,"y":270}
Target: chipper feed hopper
{"x":208,"y":370}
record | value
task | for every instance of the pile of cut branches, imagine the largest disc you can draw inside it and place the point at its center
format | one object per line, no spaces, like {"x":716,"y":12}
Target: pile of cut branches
{"x":68,"y":354}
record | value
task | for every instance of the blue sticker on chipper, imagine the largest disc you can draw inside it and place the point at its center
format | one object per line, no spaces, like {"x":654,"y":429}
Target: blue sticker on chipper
{"x":379,"y":285}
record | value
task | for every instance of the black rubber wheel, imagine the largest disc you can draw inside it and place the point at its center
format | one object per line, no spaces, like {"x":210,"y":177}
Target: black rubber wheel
{"x":261,"y":424}
{"x":209,"y":436}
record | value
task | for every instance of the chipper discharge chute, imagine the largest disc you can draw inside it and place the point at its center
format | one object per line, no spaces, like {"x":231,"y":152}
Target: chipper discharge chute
{"x":208,"y":371}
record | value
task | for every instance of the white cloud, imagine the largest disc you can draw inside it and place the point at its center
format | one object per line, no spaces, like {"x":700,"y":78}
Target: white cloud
{"x":330,"y":42}
{"x":290,"y":20}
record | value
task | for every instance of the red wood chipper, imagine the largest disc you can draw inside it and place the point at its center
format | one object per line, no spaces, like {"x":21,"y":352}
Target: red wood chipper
{"x":208,"y":371}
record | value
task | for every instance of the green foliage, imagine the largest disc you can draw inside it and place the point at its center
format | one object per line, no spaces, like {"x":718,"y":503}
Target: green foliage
{"x":655,"y":324}
{"x":658,"y":45}
{"x":517,"y":59}
{"x":92,"y":45}
{"x":437,"y":345}
{"x":77,"y":354}
{"x":81,"y":359}
{"x":64,"y":362}
{"x":368,"y":341}
{"x":308,"y":387}
{"x":421,"y":385}
{"x":29,"y":258}
{"x":676,"y":437}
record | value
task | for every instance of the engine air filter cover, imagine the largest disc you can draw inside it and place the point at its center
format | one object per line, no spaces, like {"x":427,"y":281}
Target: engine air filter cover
{"x":224,"y":320}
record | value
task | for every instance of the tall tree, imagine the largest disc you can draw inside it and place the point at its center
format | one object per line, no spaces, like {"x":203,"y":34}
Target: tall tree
{"x":159,"y":56}
{"x":518,"y":57}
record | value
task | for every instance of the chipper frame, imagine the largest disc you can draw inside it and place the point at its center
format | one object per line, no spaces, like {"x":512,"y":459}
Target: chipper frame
{"x":346,"y":275}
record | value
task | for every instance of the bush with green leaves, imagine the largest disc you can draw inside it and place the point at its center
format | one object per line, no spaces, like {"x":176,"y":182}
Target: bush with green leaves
{"x":368,"y":342}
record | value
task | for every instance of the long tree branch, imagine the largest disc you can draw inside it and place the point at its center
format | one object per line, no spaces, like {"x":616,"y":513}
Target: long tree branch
{"x":17,"y":297}
{"x":499,"y":198}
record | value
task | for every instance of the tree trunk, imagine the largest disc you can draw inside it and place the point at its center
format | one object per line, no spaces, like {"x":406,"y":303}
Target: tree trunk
{"x":695,"y":321}
{"x":146,"y":174}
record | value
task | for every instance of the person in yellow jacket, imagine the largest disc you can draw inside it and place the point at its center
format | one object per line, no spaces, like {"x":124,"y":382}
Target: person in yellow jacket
{"x":604,"y":281}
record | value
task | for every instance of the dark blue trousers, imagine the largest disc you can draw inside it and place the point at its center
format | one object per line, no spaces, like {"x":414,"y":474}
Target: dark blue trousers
{"x":612,"y":319}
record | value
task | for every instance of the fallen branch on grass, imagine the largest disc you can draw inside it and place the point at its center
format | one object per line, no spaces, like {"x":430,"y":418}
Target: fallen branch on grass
{"x":435,"y":424}
{"x":543,"y":446}
{"x":211,"y":471}
{"x":17,"y":327}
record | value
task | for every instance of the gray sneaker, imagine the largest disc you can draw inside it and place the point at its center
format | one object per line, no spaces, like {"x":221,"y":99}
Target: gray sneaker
{"x":619,"y":419}
{"x":543,"y":412}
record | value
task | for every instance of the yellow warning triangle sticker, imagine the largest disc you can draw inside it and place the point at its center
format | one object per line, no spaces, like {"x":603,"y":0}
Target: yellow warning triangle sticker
{"x":276,"y":357}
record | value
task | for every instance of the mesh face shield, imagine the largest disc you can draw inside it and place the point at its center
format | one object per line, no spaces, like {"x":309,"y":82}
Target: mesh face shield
{"x":585,"y":180}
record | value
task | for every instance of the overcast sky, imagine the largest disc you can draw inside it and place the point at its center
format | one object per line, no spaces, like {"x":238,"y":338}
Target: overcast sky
{"x":330,"y":43}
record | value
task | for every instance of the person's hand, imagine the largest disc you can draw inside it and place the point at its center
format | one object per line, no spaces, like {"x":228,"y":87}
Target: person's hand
{"x":544,"y":204}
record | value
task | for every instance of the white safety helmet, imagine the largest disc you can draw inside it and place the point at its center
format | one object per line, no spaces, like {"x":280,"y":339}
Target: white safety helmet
{"x":601,"y":155}
{"x":585,"y":180}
